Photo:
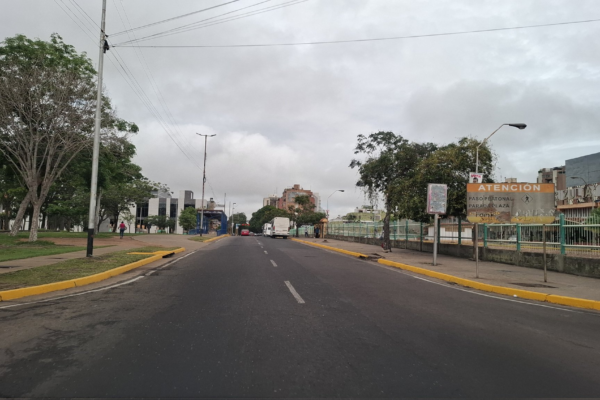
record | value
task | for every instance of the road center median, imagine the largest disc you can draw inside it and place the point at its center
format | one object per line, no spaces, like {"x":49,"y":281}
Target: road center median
{"x":80,"y":269}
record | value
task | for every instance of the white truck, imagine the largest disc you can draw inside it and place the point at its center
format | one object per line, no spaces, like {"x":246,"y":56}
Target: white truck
{"x":267,"y":229}
{"x":280,"y":226}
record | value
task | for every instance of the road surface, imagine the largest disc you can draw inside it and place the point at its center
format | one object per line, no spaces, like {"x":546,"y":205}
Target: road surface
{"x":262,"y":317}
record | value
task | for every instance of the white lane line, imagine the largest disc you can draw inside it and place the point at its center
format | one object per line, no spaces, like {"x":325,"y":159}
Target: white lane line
{"x":266,"y":252}
{"x":273,"y":262}
{"x":294,"y":293}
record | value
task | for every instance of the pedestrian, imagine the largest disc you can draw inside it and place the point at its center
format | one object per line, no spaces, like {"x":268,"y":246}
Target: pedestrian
{"x":317,"y":231}
{"x":121,"y":229}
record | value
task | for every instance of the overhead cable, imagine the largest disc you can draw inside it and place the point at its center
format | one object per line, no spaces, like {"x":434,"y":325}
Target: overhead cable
{"x":173,"y":18}
{"x":372,"y":39}
{"x":215,"y":21}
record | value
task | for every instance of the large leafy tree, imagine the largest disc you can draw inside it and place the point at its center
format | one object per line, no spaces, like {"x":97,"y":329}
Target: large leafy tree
{"x":389,"y":160}
{"x":264,"y":215}
{"x":47,"y":103}
{"x":187,"y":218}
{"x":450,"y":165}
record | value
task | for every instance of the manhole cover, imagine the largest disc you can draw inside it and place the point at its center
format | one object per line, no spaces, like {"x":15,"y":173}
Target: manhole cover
{"x":533,"y":285}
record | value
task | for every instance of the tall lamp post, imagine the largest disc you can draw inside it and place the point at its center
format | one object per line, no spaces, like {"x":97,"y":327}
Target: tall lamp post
{"x":203,"y":181}
{"x":339,"y":190}
{"x":233,"y":220}
{"x":519,"y":126}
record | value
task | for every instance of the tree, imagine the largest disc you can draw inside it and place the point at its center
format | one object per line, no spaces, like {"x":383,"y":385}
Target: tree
{"x":264,"y":215}
{"x":47,"y":103}
{"x":129,"y":218}
{"x":450,"y":165}
{"x":390,"y":160}
{"x":303,"y":212}
{"x":187,"y":218}
{"x":161,"y":221}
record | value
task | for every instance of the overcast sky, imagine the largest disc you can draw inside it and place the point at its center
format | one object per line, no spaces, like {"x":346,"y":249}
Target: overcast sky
{"x":291,"y":114}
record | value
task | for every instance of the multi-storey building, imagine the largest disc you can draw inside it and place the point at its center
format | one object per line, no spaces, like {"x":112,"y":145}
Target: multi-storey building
{"x":289,"y":195}
{"x":556,"y":175}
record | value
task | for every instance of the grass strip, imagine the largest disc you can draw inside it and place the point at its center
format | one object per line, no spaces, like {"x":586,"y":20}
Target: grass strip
{"x":72,"y":269}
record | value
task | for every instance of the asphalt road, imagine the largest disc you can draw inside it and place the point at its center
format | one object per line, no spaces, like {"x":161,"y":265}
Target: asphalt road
{"x":261,"y":317}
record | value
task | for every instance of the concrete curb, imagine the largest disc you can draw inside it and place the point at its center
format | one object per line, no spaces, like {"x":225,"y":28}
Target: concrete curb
{"x":217,"y":238}
{"x":211,"y":240}
{"x":524,"y":294}
{"x":52,"y":287}
{"x":350,"y":253}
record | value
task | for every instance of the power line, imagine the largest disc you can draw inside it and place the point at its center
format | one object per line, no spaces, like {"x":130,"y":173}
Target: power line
{"x":173,"y":18}
{"x":374,"y":39}
{"x":203,"y":23}
{"x":142,"y":60}
{"x":131,"y":81}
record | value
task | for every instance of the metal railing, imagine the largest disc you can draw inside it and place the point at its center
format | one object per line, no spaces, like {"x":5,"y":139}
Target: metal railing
{"x":567,"y":237}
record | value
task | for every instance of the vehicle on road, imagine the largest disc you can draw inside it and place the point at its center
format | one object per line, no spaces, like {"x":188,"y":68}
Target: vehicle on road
{"x":280,"y":227}
{"x":245,"y":232}
{"x":267,"y":229}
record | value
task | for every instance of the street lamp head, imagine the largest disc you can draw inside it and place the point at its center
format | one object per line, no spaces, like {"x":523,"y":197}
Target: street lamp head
{"x":520,"y":126}
{"x":341,"y":190}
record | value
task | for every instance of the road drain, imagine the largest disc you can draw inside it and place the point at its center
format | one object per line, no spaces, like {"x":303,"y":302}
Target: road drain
{"x":533,"y":285}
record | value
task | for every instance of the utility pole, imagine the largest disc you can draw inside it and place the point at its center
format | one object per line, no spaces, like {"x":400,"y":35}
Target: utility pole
{"x":96,"y":152}
{"x":203,"y":181}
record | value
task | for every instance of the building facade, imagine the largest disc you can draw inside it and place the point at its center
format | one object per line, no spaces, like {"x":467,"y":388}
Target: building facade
{"x":556,"y":175}
{"x":289,"y":195}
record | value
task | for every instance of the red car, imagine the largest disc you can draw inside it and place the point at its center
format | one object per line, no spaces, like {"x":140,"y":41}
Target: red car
{"x":245,"y":232}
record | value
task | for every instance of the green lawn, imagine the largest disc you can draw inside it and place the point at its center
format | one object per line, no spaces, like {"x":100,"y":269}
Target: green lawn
{"x":13,"y":248}
{"x":72,"y":269}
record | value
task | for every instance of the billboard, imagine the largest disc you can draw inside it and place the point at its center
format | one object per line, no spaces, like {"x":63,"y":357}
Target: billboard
{"x":437,"y":198}
{"x":503,"y":203}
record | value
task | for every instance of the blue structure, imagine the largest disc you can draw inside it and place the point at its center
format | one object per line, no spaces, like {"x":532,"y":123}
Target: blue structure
{"x":210,"y":215}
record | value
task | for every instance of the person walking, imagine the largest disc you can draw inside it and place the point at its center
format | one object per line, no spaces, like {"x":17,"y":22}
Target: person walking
{"x":121,"y":229}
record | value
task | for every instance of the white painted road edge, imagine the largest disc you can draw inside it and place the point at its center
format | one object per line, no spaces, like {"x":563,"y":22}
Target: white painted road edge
{"x":273,"y":262}
{"x":294,"y":293}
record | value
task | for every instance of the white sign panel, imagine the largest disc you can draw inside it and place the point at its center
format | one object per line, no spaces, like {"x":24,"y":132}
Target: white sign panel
{"x":437,"y":197}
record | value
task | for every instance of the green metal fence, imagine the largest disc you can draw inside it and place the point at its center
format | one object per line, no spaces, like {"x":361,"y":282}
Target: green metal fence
{"x":562,"y":237}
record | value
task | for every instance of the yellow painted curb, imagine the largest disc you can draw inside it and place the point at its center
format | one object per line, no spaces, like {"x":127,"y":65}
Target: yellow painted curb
{"x":216,"y":238}
{"x":52,"y":287}
{"x":524,"y":294}
{"x":351,"y":253}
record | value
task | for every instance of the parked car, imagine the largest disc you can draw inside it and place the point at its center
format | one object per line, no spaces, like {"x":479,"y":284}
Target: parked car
{"x":245,"y":232}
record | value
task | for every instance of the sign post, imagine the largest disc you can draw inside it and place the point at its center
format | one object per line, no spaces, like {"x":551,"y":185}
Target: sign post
{"x":503,"y":203}
{"x":437,"y":197}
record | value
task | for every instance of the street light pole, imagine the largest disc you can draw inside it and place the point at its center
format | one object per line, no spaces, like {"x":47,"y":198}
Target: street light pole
{"x":203,"y":180}
{"x":519,"y":126}
{"x":339,"y":190}
{"x":233,"y":220}
{"x":96,"y":148}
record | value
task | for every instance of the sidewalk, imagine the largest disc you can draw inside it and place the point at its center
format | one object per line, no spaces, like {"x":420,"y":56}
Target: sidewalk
{"x":491,"y":273}
{"x":115,"y":244}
